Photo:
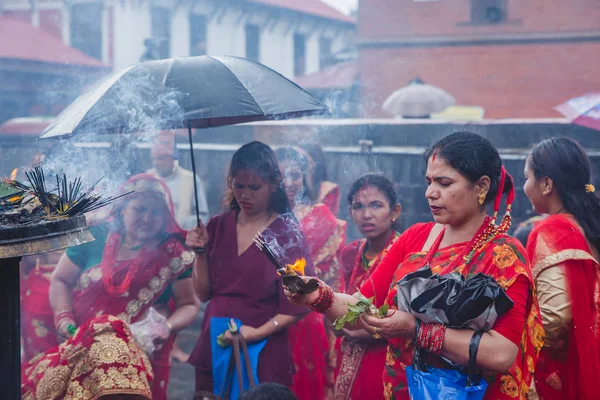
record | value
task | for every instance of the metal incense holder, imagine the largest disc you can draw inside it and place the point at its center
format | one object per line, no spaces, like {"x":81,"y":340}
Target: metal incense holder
{"x":43,"y":237}
{"x":17,"y":241}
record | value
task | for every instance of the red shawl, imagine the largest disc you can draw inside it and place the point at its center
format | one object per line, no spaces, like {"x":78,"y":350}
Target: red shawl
{"x":569,"y":372}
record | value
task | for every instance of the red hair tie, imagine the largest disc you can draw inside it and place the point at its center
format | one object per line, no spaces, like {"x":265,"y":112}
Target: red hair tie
{"x":498,"y":198}
{"x":506,"y":220}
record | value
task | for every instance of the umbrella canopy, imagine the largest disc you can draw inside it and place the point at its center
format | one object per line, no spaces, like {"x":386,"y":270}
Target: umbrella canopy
{"x":417,"y":100}
{"x":176,"y":93}
{"x":584,"y":110}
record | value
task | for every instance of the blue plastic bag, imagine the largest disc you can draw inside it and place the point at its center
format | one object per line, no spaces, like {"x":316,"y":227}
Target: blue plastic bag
{"x":446,"y":384}
{"x":221,"y":357}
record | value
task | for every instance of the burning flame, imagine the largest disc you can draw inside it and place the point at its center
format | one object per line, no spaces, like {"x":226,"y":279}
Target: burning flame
{"x":296,"y":268}
{"x":13,"y":174}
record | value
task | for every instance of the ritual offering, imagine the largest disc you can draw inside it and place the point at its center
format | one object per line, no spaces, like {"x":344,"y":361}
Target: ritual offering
{"x":233,"y":328}
{"x":364,"y":306}
{"x":291,"y":273}
{"x":36,"y":219}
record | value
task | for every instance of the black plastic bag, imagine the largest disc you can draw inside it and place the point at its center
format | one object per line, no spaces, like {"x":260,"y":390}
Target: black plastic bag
{"x":453,"y":300}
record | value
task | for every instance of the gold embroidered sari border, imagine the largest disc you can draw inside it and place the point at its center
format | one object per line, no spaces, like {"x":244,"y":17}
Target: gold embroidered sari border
{"x":560,"y":257}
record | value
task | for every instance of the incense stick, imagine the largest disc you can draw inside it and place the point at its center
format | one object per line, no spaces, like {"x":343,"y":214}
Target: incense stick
{"x":260,"y":242}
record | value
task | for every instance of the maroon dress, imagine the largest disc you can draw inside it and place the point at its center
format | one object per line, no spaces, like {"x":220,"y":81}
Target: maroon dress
{"x":248,"y":287}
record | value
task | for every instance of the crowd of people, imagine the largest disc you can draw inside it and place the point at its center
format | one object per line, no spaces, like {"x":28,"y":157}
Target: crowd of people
{"x":81,"y":336}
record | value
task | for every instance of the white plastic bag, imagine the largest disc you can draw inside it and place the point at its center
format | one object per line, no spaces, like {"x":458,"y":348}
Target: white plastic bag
{"x":147,"y":330}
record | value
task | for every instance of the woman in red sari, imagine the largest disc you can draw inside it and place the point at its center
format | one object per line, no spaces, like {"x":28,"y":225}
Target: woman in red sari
{"x":374,"y":209}
{"x":563,"y":249}
{"x":321,"y":190}
{"x":464,"y":173}
{"x":137,"y":262}
{"x":325,"y":236}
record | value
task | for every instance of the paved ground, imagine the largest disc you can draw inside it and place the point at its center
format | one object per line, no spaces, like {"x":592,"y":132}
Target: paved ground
{"x":181,"y":386}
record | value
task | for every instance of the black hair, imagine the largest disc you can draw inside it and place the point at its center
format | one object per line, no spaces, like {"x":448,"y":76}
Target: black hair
{"x":564,"y":161}
{"x":269,"y":391}
{"x":260,"y":158}
{"x":379,"y":181}
{"x":473,"y":156}
{"x":319,"y":167}
{"x":301,"y":158}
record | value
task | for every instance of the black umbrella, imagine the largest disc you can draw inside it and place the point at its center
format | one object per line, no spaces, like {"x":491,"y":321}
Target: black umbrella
{"x":193,"y":92}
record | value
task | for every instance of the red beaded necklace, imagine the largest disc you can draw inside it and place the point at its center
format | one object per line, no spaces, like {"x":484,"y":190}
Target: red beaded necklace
{"x":109,"y":260}
{"x":486,"y":232}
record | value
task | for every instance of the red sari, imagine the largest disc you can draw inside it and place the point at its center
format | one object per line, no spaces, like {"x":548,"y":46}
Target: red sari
{"x":155,"y":270}
{"x":330,"y":194}
{"x":501,"y":258}
{"x":359,"y":364}
{"x":309,"y":339}
{"x":102,"y":359}
{"x":570,"y":370}
{"x":37,"y":317}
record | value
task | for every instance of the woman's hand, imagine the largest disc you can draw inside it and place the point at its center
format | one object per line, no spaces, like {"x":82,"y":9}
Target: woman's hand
{"x":302,"y":299}
{"x":396,"y":324}
{"x":161,"y":335}
{"x":197,"y":237}
{"x":249,"y":333}
{"x":63,"y":330}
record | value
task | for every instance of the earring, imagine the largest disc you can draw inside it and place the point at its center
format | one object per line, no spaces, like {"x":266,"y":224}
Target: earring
{"x":481,"y":198}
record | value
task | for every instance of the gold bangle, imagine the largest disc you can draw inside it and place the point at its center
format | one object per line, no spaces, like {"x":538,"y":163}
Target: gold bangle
{"x":170,"y":327}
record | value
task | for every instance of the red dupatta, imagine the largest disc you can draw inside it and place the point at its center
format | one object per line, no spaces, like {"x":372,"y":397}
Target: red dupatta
{"x":325,"y":235}
{"x":569,"y":372}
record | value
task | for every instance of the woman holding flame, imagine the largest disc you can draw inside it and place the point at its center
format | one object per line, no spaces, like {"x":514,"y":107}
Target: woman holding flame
{"x":137,"y":263}
{"x":325,"y":235}
{"x":237,"y":278}
{"x":464,"y":174}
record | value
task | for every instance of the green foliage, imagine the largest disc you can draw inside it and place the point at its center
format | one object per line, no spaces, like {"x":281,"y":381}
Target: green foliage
{"x":233,"y":328}
{"x":364,"y":306}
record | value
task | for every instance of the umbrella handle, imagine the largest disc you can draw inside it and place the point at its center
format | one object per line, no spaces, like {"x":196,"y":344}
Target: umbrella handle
{"x":199,"y":249}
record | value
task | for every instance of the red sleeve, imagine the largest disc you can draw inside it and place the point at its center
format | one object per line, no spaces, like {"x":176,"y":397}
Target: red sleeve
{"x":412,"y":240}
{"x":511,"y":324}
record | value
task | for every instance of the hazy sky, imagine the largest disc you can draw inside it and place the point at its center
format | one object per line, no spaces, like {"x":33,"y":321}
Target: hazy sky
{"x":343,"y":5}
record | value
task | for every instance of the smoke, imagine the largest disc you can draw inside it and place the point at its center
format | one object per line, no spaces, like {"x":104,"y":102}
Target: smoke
{"x":291,"y":238}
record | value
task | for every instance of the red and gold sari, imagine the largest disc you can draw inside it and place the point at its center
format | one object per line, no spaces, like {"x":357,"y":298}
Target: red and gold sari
{"x":330,"y":194}
{"x":309,"y":338}
{"x":568,"y":366}
{"x":503,"y":259}
{"x":101,"y":359}
{"x":37,"y":317}
{"x":359,"y":363}
{"x":148,"y":276}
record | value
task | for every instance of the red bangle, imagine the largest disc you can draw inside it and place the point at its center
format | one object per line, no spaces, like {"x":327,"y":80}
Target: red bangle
{"x":431,"y":337}
{"x":63,"y":315}
{"x":325,"y":300}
